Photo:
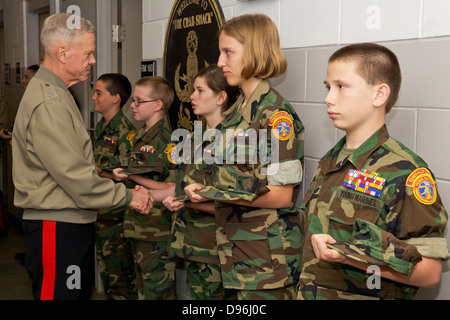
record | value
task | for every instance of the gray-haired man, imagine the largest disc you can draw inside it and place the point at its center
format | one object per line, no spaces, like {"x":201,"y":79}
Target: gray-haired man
{"x":54,"y":173}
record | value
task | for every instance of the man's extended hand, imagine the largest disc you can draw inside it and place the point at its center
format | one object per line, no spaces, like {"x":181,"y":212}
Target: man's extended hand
{"x":142,"y":201}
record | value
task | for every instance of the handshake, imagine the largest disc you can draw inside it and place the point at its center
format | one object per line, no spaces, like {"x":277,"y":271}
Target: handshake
{"x":142,"y":201}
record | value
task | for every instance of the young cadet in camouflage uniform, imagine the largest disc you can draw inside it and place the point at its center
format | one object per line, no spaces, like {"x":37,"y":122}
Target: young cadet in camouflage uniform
{"x":258,"y":229}
{"x":193,"y":233}
{"x":112,"y":143}
{"x":373,"y":205}
{"x":152,"y":165}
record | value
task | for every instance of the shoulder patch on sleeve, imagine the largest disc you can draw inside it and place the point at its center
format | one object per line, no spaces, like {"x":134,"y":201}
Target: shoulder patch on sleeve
{"x":171,"y":152}
{"x":423,"y":185}
{"x":130,"y":137}
{"x":282,"y":125}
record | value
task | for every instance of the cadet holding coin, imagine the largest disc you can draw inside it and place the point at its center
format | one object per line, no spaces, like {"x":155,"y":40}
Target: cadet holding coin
{"x":373,"y":204}
{"x":112,"y":142}
{"x":193,"y":231}
{"x":152,"y":165}
{"x":258,"y":228}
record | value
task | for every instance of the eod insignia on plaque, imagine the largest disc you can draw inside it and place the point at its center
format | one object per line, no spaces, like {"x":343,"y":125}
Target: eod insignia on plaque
{"x":192,"y":42}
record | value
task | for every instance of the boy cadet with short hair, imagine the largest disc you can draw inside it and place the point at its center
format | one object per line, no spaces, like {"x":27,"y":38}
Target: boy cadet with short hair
{"x":373,"y":205}
{"x":112,"y":143}
{"x":152,"y":164}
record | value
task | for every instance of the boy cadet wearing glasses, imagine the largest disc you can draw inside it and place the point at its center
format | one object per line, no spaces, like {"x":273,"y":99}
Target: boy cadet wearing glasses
{"x":152,"y":165}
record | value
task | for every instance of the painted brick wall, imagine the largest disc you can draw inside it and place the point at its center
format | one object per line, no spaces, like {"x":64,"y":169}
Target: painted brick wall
{"x":418,"y":31}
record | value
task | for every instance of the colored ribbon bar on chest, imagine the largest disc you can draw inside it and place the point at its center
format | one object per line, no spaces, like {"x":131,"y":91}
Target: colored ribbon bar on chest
{"x":364,"y":181}
{"x":148,"y":149}
{"x":109,"y":140}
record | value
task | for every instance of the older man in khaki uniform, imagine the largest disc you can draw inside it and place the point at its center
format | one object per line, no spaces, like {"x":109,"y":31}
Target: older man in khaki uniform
{"x":54,"y":173}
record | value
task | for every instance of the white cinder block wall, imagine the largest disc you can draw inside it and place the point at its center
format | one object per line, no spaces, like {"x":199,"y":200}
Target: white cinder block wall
{"x":418,"y":31}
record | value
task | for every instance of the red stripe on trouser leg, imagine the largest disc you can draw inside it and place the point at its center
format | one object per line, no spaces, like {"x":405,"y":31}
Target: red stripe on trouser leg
{"x":48,"y":259}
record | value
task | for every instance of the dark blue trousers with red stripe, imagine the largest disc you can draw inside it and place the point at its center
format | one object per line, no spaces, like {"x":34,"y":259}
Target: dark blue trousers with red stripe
{"x":59,"y":258}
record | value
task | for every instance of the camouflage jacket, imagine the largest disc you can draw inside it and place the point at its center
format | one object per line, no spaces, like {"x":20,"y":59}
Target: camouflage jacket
{"x":259,"y":248}
{"x":382,"y":207}
{"x":193,"y":231}
{"x":151,"y":157}
{"x":113,"y":142}
{"x":112,"y":145}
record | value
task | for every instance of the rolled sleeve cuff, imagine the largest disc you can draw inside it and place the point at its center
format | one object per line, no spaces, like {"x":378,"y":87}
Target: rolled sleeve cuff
{"x":284,"y":173}
{"x":435,"y":248}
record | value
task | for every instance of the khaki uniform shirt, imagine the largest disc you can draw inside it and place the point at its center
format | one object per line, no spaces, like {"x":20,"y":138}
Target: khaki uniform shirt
{"x":53,"y":164}
{"x":382,"y":206}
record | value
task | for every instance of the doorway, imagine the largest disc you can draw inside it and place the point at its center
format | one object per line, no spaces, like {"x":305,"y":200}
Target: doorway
{"x":123,"y":56}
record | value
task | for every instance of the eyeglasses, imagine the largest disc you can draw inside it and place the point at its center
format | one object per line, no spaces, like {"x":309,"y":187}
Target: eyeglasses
{"x":138,"y":101}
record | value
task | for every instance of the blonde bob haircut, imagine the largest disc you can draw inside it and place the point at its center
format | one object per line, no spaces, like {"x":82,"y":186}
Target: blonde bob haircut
{"x":263,"y":58}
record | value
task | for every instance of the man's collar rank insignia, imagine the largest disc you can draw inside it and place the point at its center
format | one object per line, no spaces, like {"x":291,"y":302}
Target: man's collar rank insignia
{"x":282,"y":125}
{"x":148,"y":149}
{"x":364,"y":181}
{"x":423,"y":185}
{"x":172,"y":154}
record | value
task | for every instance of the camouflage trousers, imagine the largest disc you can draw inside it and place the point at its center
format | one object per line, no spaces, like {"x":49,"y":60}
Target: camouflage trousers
{"x":155,"y":270}
{"x":115,"y":261}
{"x":285,"y":293}
{"x":205,"y":282}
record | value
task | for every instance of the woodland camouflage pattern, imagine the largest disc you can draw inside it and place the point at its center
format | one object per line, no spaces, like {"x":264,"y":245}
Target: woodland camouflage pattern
{"x":113,"y":142}
{"x":151,"y":158}
{"x":384,"y":230}
{"x":205,"y":281}
{"x":193,"y":235}
{"x":115,"y":261}
{"x":259,"y":249}
{"x":112,"y":146}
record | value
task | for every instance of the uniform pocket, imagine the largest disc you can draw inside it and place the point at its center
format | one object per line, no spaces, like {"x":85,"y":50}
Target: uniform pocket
{"x":143,"y":158}
{"x":347,"y":206}
{"x":250,"y":247}
{"x":244,"y":150}
{"x":200,"y":232}
{"x":145,"y":163}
